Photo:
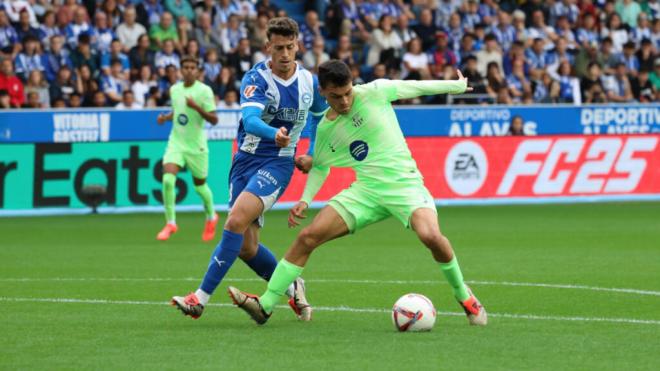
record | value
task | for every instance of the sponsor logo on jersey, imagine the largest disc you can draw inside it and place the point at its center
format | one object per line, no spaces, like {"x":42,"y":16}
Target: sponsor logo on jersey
{"x":249,"y":91}
{"x":287,"y":113}
{"x":182,"y":119}
{"x":357,"y":120}
{"x":359,"y":150}
{"x":306,"y":98}
{"x":466,"y":168}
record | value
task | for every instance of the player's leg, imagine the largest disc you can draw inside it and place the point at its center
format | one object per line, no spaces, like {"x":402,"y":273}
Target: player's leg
{"x":198,"y":166}
{"x":172,"y":164}
{"x":424,"y":222}
{"x":326,"y":226}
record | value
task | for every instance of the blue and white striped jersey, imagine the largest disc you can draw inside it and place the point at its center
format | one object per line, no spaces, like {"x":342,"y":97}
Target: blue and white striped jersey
{"x":283,"y":103}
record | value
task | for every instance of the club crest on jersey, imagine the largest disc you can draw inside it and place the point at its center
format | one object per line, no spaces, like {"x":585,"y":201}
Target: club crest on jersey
{"x":306,"y":98}
{"x":357,"y":120}
{"x":359,"y":150}
{"x":249,"y":91}
{"x":182,"y":119}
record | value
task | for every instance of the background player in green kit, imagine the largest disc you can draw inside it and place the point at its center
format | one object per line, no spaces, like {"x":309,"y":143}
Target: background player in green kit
{"x":361,"y":131}
{"x":193,"y":103}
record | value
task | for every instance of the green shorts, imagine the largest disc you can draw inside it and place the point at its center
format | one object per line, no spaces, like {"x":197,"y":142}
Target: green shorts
{"x":197,"y":163}
{"x":360,"y":206}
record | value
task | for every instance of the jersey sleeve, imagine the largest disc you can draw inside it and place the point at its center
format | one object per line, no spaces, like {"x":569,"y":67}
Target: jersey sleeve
{"x":253,"y":90}
{"x":208,"y":104}
{"x":406,"y":89}
{"x":319,"y":105}
{"x":315,"y":180}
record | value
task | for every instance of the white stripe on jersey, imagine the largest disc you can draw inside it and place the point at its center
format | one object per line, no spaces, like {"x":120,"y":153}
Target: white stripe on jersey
{"x":305,"y":89}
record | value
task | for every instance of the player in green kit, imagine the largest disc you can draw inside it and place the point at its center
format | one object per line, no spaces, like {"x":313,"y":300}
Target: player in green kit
{"x":193,"y":103}
{"x":360,"y":131}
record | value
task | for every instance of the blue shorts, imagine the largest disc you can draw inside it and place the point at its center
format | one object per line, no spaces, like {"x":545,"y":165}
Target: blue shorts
{"x":265,"y":177}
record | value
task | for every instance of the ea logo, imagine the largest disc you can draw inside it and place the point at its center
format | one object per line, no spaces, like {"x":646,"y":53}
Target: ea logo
{"x":466,"y":168}
{"x":306,"y":98}
{"x":183,"y":119}
{"x":359,"y":150}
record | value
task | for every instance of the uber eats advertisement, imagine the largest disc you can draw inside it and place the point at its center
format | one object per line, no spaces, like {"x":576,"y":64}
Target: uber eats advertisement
{"x":52,"y":175}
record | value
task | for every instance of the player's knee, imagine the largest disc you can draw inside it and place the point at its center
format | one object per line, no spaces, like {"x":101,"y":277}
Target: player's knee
{"x":236,"y":223}
{"x":169,"y":180}
{"x":308,"y":239}
{"x":434,"y":240}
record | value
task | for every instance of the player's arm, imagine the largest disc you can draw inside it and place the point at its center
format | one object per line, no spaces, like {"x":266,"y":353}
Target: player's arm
{"x":209,"y":116}
{"x":408,"y":89}
{"x":315,"y":180}
{"x":164,"y":117}
{"x":253,"y":102}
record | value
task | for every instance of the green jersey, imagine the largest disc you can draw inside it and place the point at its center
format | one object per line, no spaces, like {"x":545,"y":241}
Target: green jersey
{"x":188,"y":133}
{"x":368,"y":138}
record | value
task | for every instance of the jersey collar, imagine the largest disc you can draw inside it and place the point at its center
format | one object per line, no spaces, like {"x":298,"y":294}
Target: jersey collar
{"x":279,"y":79}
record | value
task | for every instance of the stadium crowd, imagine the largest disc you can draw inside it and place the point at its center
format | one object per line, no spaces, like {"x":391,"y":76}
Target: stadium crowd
{"x":126,"y":53}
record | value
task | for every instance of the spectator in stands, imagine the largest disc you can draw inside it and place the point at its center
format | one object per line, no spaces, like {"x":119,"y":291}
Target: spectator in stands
{"x":593,"y":90}
{"x":628,"y":10}
{"x":212,"y":66}
{"x":654,"y":76}
{"x":344,"y":50}
{"x":504,"y":31}
{"x":10,"y":83}
{"x":471,"y":72}
{"x":180,"y":8}
{"x":606,"y":56}
{"x":241,"y":60}
{"x":629,"y":59}
{"x":115,"y":52}
{"x":619,"y":90}
{"x":315,"y":56}
{"x":415,"y":64}
{"x":86,"y":85}
{"x":205,"y":7}
{"x":77,"y":28}
{"x":616,"y":32}
{"x":445,"y":9}
{"x":403,"y":29}
{"x":141,"y":86}
{"x":516,"y":128}
{"x":539,"y":29}
{"x":494,"y":79}
{"x":471,"y":16}
{"x":379,"y":72}
{"x":642,"y":31}
{"x":536,"y":56}
{"x":490,"y":53}
{"x":425,"y":29}
{"x":310,"y":30}
{"x":164,"y":30}
{"x":232,"y":34}
{"x":258,"y":30}
{"x":642,"y":88}
{"x":24,"y":28}
{"x":38,"y":85}
{"x":192,"y":48}
{"x":165,"y":83}
{"x":75,"y":101}
{"x":129,"y":31}
{"x":569,"y":85}
{"x":186,"y":32}
{"x":518,"y":83}
{"x":467,"y":48}
{"x":114,"y":84}
{"x":141,"y":55}
{"x":385,"y":45}
{"x":455,"y":31}
{"x":225,"y":8}
{"x":441,"y":55}
{"x":226,"y":81}
{"x":9,"y":46}
{"x":101,"y":34}
{"x":85,"y":55}
{"x":55,"y":58}
{"x":544,"y":88}
{"x":32,"y":101}
{"x":266,"y":7}
{"x":99,"y":100}
{"x":48,"y":29}
{"x":519,"y":19}
{"x":229,"y":101}
{"x":62,"y":87}
{"x":558,"y":54}
{"x":128,"y":101}
{"x":149,"y":13}
{"x":166,"y":57}
{"x":645,"y":55}
{"x":29,"y":59}
{"x":208,"y":36}
{"x":66,"y":12}
{"x":565,"y":32}
{"x":5,"y":100}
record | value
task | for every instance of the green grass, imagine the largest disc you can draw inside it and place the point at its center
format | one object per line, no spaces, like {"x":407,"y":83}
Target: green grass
{"x":598,"y":245}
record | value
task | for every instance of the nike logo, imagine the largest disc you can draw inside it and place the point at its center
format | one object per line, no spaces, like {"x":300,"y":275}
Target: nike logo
{"x":220,"y":262}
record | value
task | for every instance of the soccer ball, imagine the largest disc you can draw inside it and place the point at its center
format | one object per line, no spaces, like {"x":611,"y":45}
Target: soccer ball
{"x":413,"y":312}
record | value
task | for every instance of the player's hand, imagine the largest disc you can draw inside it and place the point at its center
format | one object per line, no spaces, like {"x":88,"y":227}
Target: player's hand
{"x":162,"y":118}
{"x":281,"y":138}
{"x":462,"y":78}
{"x":304,"y":163}
{"x":191,"y":103}
{"x":297,"y":212}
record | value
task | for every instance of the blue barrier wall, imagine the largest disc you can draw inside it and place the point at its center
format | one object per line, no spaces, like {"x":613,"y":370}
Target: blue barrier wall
{"x":62,"y":126}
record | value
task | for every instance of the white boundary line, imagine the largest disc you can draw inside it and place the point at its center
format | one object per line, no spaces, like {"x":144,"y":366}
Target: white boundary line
{"x":348,"y":281}
{"x":340,"y":309}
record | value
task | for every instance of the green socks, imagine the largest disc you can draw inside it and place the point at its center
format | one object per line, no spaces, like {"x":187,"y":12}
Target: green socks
{"x":284,"y":275}
{"x":207,"y":198}
{"x":169,"y":197}
{"x":454,"y":276}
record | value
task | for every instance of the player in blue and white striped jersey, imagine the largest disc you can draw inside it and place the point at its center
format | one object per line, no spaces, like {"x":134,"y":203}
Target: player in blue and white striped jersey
{"x":276,"y":97}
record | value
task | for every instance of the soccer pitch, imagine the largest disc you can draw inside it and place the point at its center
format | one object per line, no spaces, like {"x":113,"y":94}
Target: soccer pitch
{"x":566,"y":287}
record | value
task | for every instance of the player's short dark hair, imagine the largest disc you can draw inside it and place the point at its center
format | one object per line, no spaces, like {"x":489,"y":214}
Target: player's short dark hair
{"x":189,"y":59}
{"x":334,"y":72}
{"x":283,"y":26}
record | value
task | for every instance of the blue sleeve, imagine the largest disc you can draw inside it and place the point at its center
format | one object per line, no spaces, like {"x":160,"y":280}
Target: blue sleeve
{"x":313,"y":123}
{"x":319,"y":105}
{"x":253,"y":123}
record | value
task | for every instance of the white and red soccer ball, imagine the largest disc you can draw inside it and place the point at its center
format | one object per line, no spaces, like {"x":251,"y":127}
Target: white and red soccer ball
{"x":413,"y":312}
